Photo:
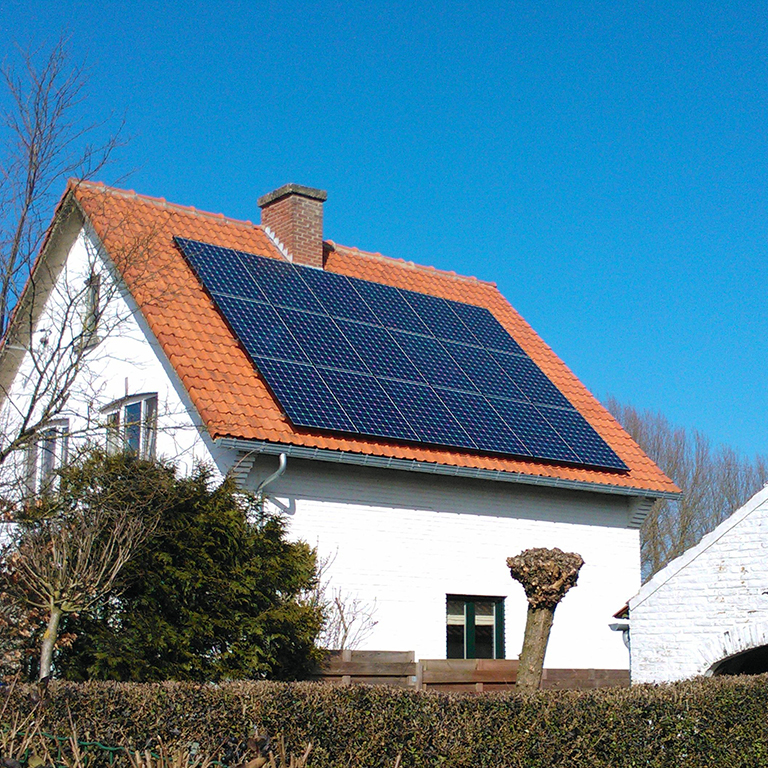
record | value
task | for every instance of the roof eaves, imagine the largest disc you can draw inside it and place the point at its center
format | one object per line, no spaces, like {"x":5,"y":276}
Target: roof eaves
{"x":433,"y":468}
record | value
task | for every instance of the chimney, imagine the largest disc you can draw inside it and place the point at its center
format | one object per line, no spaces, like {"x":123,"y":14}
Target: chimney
{"x":294,"y":216}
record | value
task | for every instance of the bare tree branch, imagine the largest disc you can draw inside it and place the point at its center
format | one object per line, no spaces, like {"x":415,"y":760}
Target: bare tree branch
{"x":715,"y":482}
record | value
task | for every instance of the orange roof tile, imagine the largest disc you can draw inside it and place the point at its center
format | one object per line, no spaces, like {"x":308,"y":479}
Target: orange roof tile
{"x":229,"y":394}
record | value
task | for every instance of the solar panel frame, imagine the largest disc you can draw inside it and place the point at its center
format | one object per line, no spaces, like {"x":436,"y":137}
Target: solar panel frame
{"x":355,"y":356}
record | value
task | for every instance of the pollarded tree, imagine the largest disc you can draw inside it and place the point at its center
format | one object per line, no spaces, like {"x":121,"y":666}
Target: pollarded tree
{"x":546,"y":575}
{"x":216,"y":593}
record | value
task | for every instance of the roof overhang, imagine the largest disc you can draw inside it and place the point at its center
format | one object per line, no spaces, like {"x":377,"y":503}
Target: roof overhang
{"x":432,"y":468}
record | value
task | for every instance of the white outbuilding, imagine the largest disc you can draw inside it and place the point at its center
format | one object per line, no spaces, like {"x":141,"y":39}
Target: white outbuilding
{"x":706,"y":612}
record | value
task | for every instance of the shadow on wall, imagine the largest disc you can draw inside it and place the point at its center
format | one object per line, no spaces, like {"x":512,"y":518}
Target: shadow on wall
{"x":322,"y":481}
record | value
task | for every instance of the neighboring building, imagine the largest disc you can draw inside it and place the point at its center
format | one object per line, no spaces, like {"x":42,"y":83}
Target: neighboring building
{"x":429,"y":432}
{"x":706,"y":612}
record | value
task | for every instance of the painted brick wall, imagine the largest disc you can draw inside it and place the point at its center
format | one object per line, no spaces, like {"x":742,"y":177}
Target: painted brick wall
{"x":708,"y":604}
{"x":406,"y":540}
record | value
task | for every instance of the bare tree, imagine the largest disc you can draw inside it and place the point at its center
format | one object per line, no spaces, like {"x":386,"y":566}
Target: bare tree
{"x":349,"y":620}
{"x":715,"y":481}
{"x":46,"y":141}
{"x":546,"y":575}
{"x":67,"y":564}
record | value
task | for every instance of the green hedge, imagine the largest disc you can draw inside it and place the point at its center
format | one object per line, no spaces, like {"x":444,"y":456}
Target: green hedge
{"x":715,"y":722}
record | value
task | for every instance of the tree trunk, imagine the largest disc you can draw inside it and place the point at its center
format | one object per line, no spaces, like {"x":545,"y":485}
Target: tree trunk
{"x":49,"y":641}
{"x":531,"y":664}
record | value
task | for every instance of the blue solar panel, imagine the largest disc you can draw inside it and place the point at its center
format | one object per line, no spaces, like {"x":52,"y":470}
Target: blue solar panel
{"x":355,"y":356}
{"x":532,"y":382}
{"x":221,"y":269}
{"x":483,"y":424}
{"x":368,"y":405}
{"x":304,"y":396}
{"x":427,"y":414}
{"x":337,"y":296}
{"x":438,"y":316}
{"x":259,"y":329}
{"x":321,"y":340}
{"x":534,"y":430}
{"x":486,"y":328}
{"x":379,"y":351}
{"x":487,"y":376}
{"x":587,"y":444}
{"x":436,"y":366}
{"x":282,"y":284}
{"x":389,"y":307}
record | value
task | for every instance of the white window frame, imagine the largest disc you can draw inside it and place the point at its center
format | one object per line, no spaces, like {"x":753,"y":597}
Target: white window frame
{"x":45,"y":454}
{"x":131,"y":424}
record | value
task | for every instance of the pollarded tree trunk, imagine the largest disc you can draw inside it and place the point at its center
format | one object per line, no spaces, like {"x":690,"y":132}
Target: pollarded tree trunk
{"x":546,"y":575}
{"x":49,"y":642}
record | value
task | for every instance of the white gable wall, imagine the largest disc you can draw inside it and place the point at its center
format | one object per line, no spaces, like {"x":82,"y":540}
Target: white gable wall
{"x":128,"y":361}
{"x":706,"y":605}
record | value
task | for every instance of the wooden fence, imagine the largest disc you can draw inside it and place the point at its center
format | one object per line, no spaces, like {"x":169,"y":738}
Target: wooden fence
{"x":401,"y":669}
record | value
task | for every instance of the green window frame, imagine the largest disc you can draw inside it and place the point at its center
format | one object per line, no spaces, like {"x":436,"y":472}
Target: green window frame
{"x":474,"y":627}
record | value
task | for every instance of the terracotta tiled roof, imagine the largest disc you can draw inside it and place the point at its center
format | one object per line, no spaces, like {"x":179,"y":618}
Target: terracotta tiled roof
{"x":229,"y":394}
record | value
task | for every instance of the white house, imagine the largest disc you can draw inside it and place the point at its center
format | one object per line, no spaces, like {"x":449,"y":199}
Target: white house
{"x":417,"y":495}
{"x":706,"y":612}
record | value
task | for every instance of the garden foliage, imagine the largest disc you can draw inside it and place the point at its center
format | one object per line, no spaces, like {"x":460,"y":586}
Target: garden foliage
{"x":704,"y":722}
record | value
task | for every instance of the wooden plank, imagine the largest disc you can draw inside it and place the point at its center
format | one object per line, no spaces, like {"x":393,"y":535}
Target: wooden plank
{"x":584,"y":679}
{"x":469,"y":671}
{"x":368,"y":668}
{"x":396,"y":657}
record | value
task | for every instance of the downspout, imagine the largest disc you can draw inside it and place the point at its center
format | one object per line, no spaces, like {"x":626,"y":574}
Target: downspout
{"x":279,"y":472}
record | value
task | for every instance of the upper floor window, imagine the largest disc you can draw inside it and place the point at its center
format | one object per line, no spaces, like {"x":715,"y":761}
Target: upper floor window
{"x":45,"y":454}
{"x":132,"y":425}
{"x":92,"y":310}
{"x":474,"y":627}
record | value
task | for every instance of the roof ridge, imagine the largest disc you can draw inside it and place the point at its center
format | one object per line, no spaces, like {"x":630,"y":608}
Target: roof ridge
{"x":411,"y":264}
{"x":161,"y":202}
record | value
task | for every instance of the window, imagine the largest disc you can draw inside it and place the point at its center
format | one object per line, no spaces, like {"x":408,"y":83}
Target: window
{"x":45,"y":454}
{"x":474,"y":627}
{"x":132,"y":425}
{"x":92,"y":310}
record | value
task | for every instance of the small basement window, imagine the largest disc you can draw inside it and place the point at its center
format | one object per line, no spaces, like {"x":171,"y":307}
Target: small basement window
{"x":132,"y":425}
{"x":474,"y":627}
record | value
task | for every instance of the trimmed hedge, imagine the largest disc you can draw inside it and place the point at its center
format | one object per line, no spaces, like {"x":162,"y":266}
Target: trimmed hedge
{"x":704,"y":722}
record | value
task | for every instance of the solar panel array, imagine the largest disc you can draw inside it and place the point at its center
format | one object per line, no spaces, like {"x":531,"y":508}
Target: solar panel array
{"x":355,"y":356}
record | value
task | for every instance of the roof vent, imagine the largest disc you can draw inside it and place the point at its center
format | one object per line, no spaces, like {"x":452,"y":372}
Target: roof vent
{"x":293,"y":215}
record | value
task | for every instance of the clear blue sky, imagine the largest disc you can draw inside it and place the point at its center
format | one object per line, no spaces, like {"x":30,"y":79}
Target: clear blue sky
{"x":604,"y":163}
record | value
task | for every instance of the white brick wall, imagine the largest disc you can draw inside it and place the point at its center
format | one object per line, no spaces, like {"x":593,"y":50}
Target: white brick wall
{"x":708,"y":604}
{"x":408,"y":540}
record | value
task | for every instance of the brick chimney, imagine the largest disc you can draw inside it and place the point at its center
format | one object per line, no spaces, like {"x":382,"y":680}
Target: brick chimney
{"x":294,"y":216}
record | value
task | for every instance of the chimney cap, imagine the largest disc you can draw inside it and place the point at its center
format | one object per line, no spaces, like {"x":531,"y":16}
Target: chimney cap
{"x":292,"y":189}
